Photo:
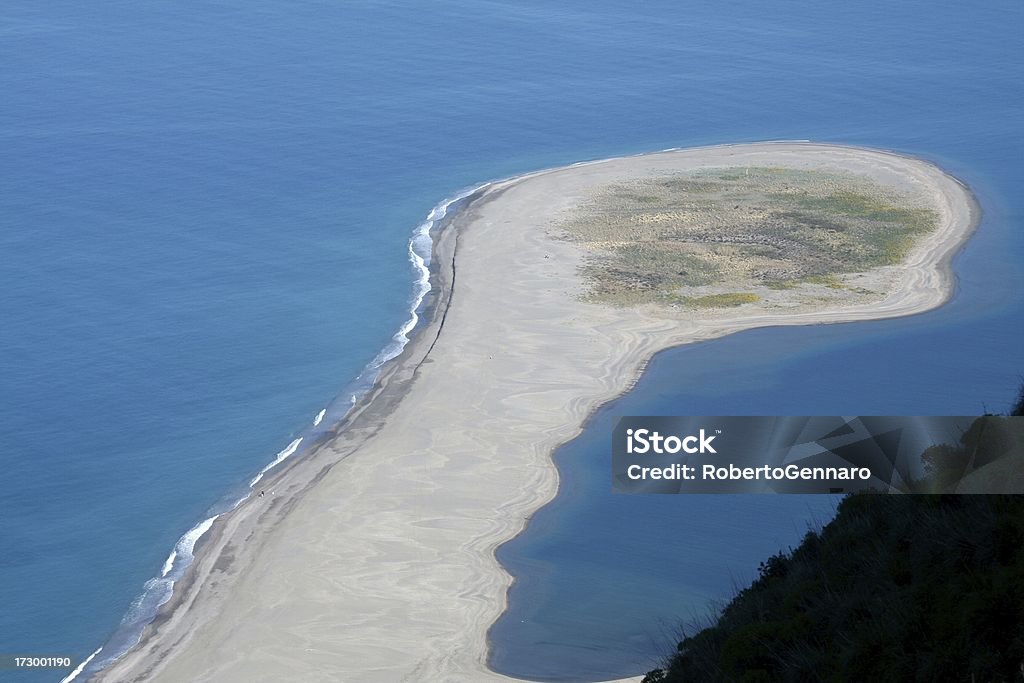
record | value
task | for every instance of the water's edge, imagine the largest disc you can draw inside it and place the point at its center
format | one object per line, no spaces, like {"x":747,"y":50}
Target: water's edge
{"x":430,"y":258}
{"x":152,"y":605}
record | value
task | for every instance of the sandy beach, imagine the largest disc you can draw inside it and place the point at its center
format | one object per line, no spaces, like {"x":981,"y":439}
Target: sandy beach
{"x":372,"y":559}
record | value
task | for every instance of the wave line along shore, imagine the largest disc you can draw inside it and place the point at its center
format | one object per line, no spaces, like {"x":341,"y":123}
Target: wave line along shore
{"x":372,"y":558}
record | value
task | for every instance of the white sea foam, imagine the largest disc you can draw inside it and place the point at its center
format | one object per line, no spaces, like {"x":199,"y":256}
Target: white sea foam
{"x":319,"y":418}
{"x":420,"y":248}
{"x":187,"y":544}
{"x":81,"y":667}
{"x":289,"y":449}
{"x":155,"y":592}
{"x":169,"y":563}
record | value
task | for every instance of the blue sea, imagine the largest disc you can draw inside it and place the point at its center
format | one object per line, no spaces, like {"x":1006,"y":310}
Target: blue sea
{"x":205,"y":217}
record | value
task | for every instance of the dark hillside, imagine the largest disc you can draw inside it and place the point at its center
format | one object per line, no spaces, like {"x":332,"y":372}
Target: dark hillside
{"x":895,"y":588}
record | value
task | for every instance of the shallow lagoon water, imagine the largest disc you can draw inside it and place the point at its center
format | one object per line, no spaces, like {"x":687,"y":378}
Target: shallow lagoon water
{"x":606,"y":582}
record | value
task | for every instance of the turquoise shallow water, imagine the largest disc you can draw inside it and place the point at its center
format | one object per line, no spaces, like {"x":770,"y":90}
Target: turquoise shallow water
{"x":204,"y":216}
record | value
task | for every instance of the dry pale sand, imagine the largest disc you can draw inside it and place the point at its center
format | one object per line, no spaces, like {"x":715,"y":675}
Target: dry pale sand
{"x":373,"y":560}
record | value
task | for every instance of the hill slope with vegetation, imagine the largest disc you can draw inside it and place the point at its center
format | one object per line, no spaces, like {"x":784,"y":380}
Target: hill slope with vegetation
{"x":895,"y":588}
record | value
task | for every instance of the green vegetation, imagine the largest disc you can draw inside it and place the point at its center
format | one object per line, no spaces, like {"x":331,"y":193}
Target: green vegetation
{"x":829,"y":281}
{"x":719,"y":300}
{"x":895,"y":588}
{"x":739,"y":227}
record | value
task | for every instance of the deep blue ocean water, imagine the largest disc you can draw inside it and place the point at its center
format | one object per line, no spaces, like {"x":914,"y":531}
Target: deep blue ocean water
{"x":204,"y":217}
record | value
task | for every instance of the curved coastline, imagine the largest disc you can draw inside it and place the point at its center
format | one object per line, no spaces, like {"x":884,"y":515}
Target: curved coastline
{"x":229,"y":552}
{"x":152,"y":603}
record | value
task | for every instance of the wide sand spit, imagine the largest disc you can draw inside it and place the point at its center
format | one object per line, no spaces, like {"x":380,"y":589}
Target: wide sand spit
{"x":373,"y":558}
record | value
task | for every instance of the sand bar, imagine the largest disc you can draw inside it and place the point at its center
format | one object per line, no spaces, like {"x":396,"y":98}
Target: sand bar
{"x":373,"y":560}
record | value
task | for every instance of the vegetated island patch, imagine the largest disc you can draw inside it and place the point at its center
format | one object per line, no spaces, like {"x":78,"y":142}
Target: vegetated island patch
{"x":724,"y":237}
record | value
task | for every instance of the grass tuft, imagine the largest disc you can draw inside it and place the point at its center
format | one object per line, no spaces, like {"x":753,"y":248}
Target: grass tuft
{"x":729,"y":300}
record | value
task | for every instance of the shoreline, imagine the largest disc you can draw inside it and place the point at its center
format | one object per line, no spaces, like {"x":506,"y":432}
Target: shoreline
{"x":177,"y":567}
{"x":442,"y":268}
{"x":220,"y":558}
